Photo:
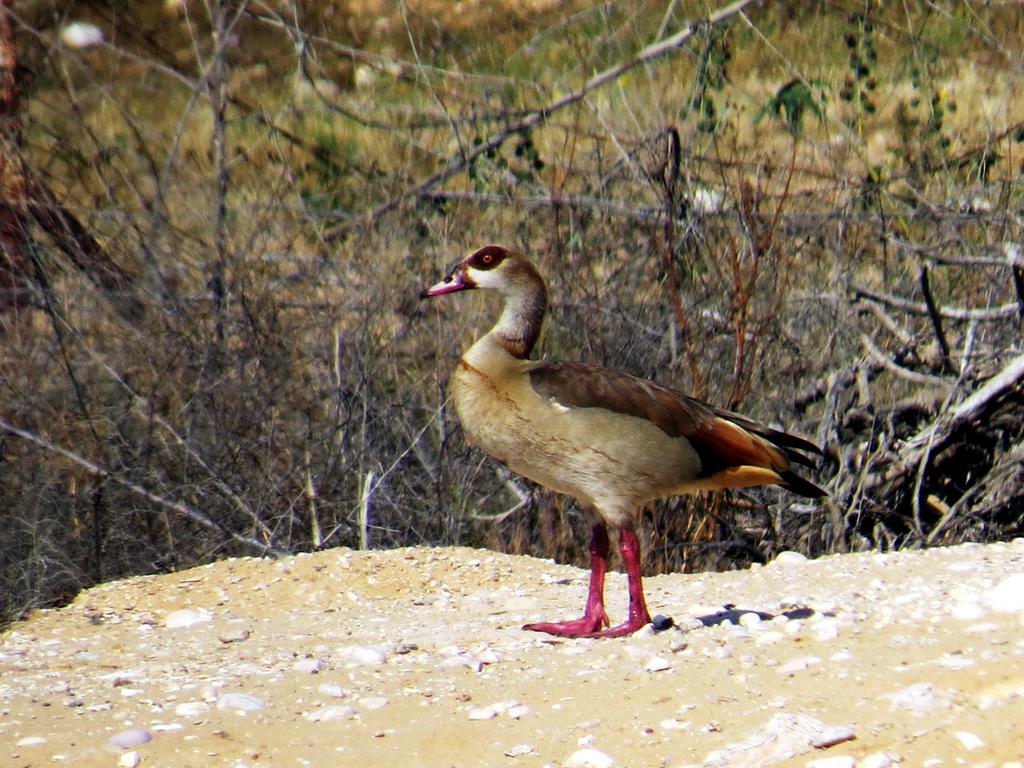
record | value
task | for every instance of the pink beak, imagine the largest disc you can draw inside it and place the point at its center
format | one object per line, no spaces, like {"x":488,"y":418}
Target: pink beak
{"x":453,"y":281}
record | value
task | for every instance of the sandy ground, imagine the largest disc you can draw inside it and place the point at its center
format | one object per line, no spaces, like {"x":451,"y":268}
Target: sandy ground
{"x":415,"y":657}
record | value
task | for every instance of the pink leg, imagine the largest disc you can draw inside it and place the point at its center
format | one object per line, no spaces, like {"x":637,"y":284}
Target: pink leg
{"x":594,"y":616}
{"x":629,"y":548}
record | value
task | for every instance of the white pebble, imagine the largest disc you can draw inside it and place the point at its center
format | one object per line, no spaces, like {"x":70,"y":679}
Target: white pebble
{"x":832,"y":735}
{"x":518,"y":750}
{"x":838,"y":761}
{"x":518,"y":711}
{"x":789,"y":557}
{"x":186,"y":617}
{"x":129,"y":760}
{"x":875,"y":760}
{"x":331,"y":713}
{"x":191,"y":708}
{"x":768,"y":638}
{"x":373,"y":702}
{"x":917,"y":697}
{"x":798,"y":664}
{"x":657,"y":664}
{"x":967,"y":611}
{"x":312,"y":666}
{"x":237,"y":635}
{"x":749,"y":620}
{"x":452,"y":662}
{"x":825,"y":629}
{"x":483,"y":713}
{"x":968,"y":740}
{"x":489,"y":657}
{"x":672,"y":724}
{"x":589,"y":758}
{"x":955,"y":661}
{"x":332,"y":689}
{"x":1007,"y":595}
{"x":960,"y":566}
{"x":30,"y":741}
{"x":133,"y":737}
{"x":240,"y":702}
{"x":364,"y":655}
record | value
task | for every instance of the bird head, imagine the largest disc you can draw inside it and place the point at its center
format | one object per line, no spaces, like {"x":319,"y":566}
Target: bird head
{"x":481,"y":269}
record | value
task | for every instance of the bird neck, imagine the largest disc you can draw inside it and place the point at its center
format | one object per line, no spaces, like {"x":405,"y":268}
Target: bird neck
{"x":519,"y":326}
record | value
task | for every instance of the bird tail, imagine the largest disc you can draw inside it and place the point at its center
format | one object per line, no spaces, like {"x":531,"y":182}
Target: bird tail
{"x":791,"y":481}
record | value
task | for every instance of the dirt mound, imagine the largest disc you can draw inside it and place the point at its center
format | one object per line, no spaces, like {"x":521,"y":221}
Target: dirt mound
{"x":415,"y":657}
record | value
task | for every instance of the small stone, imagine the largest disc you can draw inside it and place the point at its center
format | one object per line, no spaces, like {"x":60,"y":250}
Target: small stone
{"x":969,"y":740}
{"x":186,"y":617}
{"x":789,"y":557}
{"x":749,"y":620}
{"x":459,"y":660}
{"x":129,"y":760}
{"x":364,"y":655}
{"x":310,"y":666}
{"x":488,"y":656}
{"x":332,"y":689}
{"x":191,"y":708}
{"x":1008,"y":595}
{"x":967,"y":611}
{"x":837,"y":761}
{"x":672,"y":724}
{"x":832,"y":735}
{"x":373,"y":702}
{"x":519,"y":750}
{"x":660,"y":623}
{"x":917,"y":697}
{"x":518,"y":711}
{"x":240,"y":702}
{"x":825,"y":629}
{"x":483,"y":713}
{"x":30,"y":741}
{"x":955,"y":661}
{"x":798,"y":665}
{"x":768,"y":638}
{"x":875,"y":760}
{"x":234,"y":636}
{"x":331,"y":713}
{"x":589,"y":758}
{"x":657,"y":664}
{"x":133,"y":737}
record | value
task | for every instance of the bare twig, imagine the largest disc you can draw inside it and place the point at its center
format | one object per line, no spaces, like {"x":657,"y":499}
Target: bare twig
{"x":880,"y":357}
{"x":1001,"y":312}
{"x":933,"y":315}
{"x":175,"y":506}
{"x":462,"y":159}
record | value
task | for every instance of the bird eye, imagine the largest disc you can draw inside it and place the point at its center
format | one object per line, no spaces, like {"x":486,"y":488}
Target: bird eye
{"x":487,"y":258}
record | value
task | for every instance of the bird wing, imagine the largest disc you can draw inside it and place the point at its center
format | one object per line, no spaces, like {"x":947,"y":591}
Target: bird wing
{"x":721,"y":438}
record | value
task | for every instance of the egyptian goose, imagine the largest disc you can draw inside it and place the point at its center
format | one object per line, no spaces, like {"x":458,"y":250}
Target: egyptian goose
{"x":611,"y":440}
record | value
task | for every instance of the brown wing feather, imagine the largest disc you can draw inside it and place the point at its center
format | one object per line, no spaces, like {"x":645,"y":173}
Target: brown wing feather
{"x":721,"y":438}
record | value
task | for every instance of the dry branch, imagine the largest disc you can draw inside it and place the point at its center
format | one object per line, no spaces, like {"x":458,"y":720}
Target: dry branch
{"x":1001,"y":312}
{"x":540,"y":115}
{"x":973,"y":409}
{"x":175,"y":506}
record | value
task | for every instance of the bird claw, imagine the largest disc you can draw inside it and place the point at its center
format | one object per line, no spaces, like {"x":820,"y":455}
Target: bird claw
{"x":585,"y":626}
